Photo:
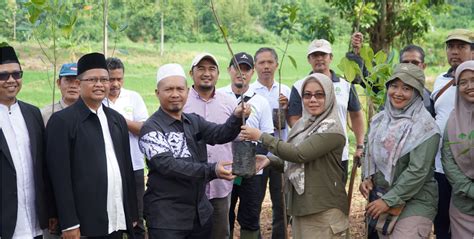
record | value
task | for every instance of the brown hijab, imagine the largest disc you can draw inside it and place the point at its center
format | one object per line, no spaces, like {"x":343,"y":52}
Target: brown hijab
{"x":327,"y":122}
{"x":461,"y":121}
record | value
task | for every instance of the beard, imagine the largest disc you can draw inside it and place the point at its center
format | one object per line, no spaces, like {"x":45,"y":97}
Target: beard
{"x":206,"y":87}
{"x":239,"y":85}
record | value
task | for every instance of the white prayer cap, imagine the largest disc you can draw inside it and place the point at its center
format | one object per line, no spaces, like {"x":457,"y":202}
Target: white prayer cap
{"x":201,"y":56}
{"x":168,"y":70}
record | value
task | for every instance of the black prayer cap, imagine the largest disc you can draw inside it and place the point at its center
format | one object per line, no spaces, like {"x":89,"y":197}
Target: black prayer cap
{"x":89,"y":61}
{"x":8,"y":55}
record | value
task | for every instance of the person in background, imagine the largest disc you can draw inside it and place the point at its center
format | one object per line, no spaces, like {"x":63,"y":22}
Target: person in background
{"x":216,"y":107}
{"x":248,"y":191}
{"x":458,"y":163}
{"x":266,"y":64}
{"x":459,"y":48}
{"x":68,"y":84}
{"x":132,"y":107}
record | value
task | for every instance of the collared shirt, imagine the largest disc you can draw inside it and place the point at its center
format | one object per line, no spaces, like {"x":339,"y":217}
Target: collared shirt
{"x":260,"y":109}
{"x":217,"y":110}
{"x":16,"y":134}
{"x":272,"y":95}
{"x":132,"y":107}
{"x":115,"y":211}
{"x":48,"y":110}
{"x":177,"y":159}
{"x":443,"y":107}
{"x":346,"y":97}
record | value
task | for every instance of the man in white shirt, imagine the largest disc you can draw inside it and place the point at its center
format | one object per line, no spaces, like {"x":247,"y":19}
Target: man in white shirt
{"x":25,"y":191}
{"x":91,"y":174}
{"x":248,"y":190}
{"x":266,"y":64}
{"x":459,"y":48}
{"x":132,"y":107}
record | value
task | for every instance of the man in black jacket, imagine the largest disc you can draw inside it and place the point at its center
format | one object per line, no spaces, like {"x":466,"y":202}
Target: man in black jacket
{"x":176,"y":205}
{"x":25,"y":189}
{"x":88,"y":156}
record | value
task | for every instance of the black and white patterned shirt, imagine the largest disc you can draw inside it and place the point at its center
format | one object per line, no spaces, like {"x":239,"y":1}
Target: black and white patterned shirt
{"x":178,"y":168}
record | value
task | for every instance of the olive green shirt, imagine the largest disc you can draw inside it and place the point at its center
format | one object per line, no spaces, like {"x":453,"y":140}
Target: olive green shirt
{"x":47,"y":111}
{"x":323,"y":184}
{"x":413,"y":183}
{"x":463,"y":186}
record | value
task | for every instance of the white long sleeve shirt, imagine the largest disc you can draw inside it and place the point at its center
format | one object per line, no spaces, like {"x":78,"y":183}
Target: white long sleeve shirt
{"x":16,"y":134}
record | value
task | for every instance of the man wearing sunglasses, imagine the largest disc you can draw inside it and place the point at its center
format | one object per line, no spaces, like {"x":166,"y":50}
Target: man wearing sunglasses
{"x":68,"y":84}
{"x":25,"y":193}
{"x":91,"y":174}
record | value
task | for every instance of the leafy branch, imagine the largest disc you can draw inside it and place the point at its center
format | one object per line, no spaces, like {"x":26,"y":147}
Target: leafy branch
{"x":291,"y":10}
{"x":224,"y":35}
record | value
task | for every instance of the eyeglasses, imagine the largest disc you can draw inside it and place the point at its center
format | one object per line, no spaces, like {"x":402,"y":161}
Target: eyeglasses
{"x":96,"y":80}
{"x":318,"y":96}
{"x":4,"y":76}
{"x":414,"y":62}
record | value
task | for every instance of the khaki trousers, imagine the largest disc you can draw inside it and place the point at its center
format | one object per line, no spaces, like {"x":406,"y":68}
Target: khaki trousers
{"x":462,"y":225}
{"x":332,"y":223}
{"x":410,"y":227}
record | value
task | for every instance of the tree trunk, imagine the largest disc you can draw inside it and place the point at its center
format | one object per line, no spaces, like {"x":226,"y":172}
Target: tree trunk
{"x":14,"y":23}
{"x":105,"y":41}
{"x":162,"y":39}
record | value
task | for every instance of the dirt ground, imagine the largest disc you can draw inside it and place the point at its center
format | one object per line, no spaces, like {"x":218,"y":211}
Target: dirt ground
{"x":356,"y":216}
{"x":356,"y":220}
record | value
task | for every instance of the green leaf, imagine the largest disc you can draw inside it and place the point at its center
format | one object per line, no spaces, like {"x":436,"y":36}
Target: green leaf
{"x":471,"y":135}
{"x":34,"y":13}
{"x":348,"y":69}
{"x":123,"y":27}
{"x":367,"y":55}
{"x":465,"y":151}
{"x":39,"y":2}
{"x":112,"y":27}
{"x":380,"y":57}
{"x":462,"y":136}
{"x":293,"y":61}
{"x":224,"y":31}
{"x":293,"y":10}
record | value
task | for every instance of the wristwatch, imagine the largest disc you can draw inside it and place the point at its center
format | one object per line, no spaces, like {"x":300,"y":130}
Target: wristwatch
{"x":360,"y":146}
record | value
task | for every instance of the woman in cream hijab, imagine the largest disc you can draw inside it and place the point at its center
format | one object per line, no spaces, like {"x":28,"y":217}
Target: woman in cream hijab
{"x":312,"y":163}
{"x":458,"y":153}
{"x":399,"y":161}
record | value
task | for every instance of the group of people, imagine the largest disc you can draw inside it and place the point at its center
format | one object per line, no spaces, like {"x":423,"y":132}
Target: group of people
{"x":76,"y":168}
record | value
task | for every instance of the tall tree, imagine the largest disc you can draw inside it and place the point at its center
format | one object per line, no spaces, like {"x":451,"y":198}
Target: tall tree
{"x":387,"y":21}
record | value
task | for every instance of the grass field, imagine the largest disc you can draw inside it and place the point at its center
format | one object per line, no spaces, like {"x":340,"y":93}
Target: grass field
{"x":142,"y":61}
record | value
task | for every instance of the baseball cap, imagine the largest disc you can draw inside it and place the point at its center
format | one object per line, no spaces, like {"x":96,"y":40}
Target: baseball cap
{"x":168,"y":70}
{"x":201,"y":56}
{"x":411,"y":75}
{"x":68,"y":69}
{"x":242,"y":58}
{"x":461,"y":35}
{"x":320,"y":45}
